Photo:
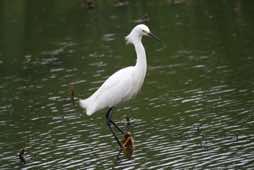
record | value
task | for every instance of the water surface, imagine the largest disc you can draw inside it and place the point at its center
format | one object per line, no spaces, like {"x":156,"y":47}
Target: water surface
{"x":195,"y":110}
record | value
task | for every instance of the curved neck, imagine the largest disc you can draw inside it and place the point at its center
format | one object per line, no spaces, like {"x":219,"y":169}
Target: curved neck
{"x":141,"y":63}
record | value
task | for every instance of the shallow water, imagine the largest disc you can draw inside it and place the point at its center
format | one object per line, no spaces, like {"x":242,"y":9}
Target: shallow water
{"x":195,"y":110}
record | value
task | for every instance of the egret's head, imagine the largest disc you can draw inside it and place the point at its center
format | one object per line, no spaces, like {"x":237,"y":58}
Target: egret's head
{"x":138,"y":32}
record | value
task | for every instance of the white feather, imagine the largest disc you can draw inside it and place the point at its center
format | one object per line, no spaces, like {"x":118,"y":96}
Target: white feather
{"x":123,"y":84}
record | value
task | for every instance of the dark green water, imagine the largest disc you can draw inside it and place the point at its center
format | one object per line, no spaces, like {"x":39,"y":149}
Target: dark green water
{"x":195,"y":110}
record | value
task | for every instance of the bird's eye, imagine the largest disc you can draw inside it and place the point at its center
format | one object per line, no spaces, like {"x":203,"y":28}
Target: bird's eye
{"x":144,"y":31}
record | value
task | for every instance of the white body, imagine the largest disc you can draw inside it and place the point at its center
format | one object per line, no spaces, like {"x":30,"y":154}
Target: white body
{"x":123,"y":84}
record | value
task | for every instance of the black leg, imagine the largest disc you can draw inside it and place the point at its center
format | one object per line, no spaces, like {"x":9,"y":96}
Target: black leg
{"x":109,"y":119}
{"x":120,"y":130}
{"x":119,"y":153}
{"x":109,"y":123}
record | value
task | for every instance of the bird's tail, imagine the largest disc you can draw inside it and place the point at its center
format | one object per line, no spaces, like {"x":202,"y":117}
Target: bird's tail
{"x":86,"y":104}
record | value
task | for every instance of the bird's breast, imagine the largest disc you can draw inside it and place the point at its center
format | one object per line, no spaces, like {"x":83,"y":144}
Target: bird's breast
{"x":139,"y":77}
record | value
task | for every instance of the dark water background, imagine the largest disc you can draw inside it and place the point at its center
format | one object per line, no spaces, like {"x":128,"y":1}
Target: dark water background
{"x":195,"y":110}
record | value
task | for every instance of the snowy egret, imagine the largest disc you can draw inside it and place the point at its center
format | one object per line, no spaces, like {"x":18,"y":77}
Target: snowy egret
{"x":123,"y":84}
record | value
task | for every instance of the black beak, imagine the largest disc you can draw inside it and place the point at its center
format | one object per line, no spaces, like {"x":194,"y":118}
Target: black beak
{"x":153,"y":36}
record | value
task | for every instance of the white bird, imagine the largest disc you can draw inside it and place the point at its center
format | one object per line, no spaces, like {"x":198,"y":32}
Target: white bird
{"x":123,"y":84}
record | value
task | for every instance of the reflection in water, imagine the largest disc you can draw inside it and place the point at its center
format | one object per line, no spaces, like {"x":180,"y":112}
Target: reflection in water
{"x":196,"y":107}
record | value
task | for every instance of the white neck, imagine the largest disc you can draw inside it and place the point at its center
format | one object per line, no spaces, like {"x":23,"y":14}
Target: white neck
{"x":141,"y":64}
